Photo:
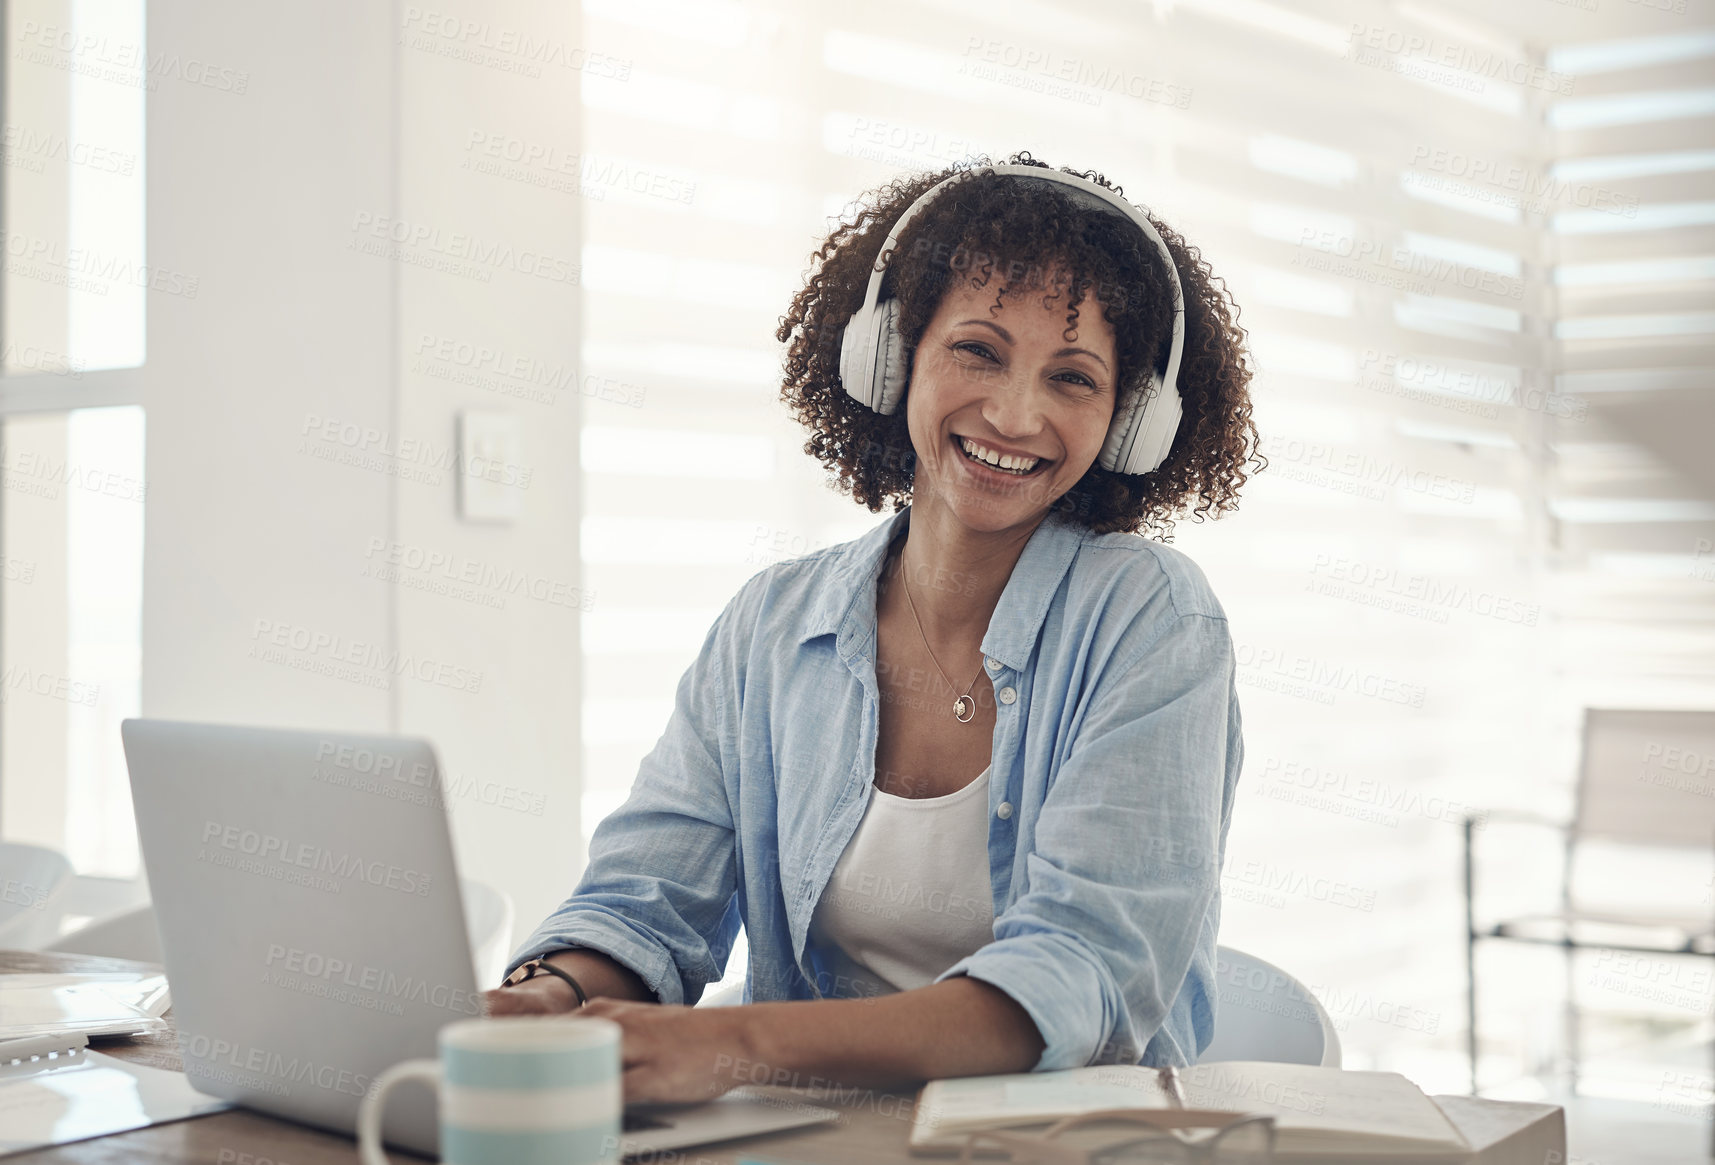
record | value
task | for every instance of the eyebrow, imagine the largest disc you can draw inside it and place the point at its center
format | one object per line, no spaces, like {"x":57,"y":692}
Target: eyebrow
{"x":1007,"y":336}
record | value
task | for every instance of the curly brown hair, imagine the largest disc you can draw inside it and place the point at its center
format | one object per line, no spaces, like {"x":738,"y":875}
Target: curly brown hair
{"x":983,"y":225}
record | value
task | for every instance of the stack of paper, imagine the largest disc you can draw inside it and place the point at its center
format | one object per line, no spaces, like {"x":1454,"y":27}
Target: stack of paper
{"x":32,"y":1005}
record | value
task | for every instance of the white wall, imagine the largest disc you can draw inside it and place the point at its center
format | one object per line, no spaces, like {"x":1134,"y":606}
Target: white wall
{"x":34,"y":634}
{"x":512,"y":748}
{"x":264,"y":197}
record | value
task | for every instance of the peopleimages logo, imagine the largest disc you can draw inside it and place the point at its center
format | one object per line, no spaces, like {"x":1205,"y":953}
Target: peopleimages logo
{"x":1398,"y":266}
{"x":1322,"y":676}
{"x":540,"y":163}
{"x":31,"y":148}
{"x":1357,"y":471}
{"x":1679,"y":769}
{"x":122,"y":62}
{"x":456,"y":252}
{"x":1416,"y":377}
{"x":483,"y":576}
{"x":1271,"y":880}
{"x":1348,"y":577}
{"x":23,"y":894}
{"x":510,"y":373}
{"x":1534,"y":190}
{"x":355,"y":659}
{"x":313,"y":973}
{"x":229,"y":1062}
{"x":85,"y":269}
{"x":351,"y":767}
{"x":880,"y":140}
{"x":1414,"y":47}
{"x":17,"y":678}
{"x":1080,"y":79}
{"x":1327,"y":787}
{"x":306,"y":855}
{"x":511,"y":50}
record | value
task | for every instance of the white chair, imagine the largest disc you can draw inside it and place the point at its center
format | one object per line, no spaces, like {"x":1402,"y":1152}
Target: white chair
{"x":33,"y":882}
{"x":1644,"y":788}
{"x":1262,"y":1013}
{"x":732,"y":995}
{"x":131,"y":934}
{"x":488,"y":916}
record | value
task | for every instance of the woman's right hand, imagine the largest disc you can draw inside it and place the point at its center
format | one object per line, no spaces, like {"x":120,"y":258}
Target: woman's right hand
{"x":539,"y":995}
{"x":545,"y":993}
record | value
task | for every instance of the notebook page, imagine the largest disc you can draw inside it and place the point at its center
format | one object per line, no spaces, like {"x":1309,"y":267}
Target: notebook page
{"x":1366,"y":1107}
{"x":970,"y":1102}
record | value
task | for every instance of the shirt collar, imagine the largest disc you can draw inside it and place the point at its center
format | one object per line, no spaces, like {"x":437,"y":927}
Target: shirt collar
{"x":845,"y":607}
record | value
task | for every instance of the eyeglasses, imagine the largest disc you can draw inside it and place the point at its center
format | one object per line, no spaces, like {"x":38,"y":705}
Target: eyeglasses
{"x":1131,"y":1136}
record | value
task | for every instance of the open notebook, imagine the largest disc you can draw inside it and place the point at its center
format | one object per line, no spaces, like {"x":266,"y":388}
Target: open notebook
{"x":1324,"y":1114}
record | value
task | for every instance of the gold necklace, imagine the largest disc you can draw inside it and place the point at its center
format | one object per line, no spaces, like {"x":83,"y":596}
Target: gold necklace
{"x":964,"y":707}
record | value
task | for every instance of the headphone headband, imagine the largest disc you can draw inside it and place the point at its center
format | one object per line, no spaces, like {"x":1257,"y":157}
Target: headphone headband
{"x":872,"y":358}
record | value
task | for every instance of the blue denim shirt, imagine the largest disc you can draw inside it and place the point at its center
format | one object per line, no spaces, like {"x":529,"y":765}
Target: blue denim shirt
{"x":1116,"y":755}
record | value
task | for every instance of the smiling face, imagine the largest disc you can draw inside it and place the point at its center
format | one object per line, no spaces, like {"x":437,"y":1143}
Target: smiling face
{"x":1006,"y":413}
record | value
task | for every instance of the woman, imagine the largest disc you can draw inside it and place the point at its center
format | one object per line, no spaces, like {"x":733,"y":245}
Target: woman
{"x":965,"y":781}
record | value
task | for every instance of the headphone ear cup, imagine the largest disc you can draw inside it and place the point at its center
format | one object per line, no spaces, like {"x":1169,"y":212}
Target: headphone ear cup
{"x":857,"y":353}
{"x":893,"y":375}
{"x":872,"y":357}
{"x":1123,"y":429}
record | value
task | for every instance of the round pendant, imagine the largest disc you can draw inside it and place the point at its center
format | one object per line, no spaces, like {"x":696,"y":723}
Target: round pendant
{"x":963,"y":709}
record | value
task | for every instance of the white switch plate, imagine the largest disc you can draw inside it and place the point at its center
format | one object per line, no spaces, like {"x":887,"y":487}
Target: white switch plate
{"x":492,"y":474}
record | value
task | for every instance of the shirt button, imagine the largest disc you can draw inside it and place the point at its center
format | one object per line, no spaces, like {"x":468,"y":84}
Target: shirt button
{"x":1003,"y":810}
{"x":992,"y":663}
{"x":1008,"y":695}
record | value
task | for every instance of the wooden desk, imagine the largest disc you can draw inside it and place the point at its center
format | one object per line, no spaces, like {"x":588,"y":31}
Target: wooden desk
{"x":871,"y":1130}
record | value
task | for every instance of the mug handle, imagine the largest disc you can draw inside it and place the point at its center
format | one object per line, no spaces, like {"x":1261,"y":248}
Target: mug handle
{"x":369,"y":1112}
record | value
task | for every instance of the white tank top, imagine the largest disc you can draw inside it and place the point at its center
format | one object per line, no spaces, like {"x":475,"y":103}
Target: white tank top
{"x":911,"y":894}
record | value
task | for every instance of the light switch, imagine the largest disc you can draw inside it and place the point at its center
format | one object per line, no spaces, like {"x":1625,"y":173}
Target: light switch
{"x":492,"y":473}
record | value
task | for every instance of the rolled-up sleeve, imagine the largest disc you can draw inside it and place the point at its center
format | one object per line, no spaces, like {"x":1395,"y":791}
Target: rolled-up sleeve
{"x":1123,"y":872}
{"x":658,"y":895}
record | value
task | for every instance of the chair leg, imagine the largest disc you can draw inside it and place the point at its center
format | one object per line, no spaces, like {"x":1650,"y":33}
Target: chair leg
{"x":1471,"y":1006}
{"x":1573,"y":1052}
{"x":1470,"y":961}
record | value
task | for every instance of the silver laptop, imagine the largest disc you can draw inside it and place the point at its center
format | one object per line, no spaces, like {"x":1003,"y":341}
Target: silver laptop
{"x":313,"y":932}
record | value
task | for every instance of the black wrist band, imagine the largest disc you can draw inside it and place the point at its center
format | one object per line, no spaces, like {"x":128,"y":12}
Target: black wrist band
{"x":553,"y":970}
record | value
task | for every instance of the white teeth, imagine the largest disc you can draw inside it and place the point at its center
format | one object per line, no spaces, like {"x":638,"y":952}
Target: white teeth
{"x":1004,"y":461}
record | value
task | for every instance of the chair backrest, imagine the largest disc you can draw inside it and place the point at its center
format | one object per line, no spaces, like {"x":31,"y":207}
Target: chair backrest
{"x":1262,"y":1013}
{"x":1647,"y":778}
{"x":33,"y":880}
{"x":130,"y":934}
{"x":732,"y":995}
{"x":488,"y":916}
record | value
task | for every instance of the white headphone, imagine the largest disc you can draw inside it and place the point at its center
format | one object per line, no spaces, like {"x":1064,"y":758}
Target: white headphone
{"x":872,"y":354}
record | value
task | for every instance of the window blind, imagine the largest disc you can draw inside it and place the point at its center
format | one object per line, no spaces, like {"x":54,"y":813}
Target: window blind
{"x":1437,"y":274}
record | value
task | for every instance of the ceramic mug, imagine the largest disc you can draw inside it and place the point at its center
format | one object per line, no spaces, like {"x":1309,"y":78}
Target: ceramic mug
{"x":518,"y":1090}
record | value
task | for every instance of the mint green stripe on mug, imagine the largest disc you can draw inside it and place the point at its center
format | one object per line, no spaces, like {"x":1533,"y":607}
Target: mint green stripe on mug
{"x":559,"y":1068}
{"x":567,"y":1147}
{"x":524,"y":1109}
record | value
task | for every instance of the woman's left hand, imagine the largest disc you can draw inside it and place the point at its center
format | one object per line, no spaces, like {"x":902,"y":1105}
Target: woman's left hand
{"x":673,"y":1054}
